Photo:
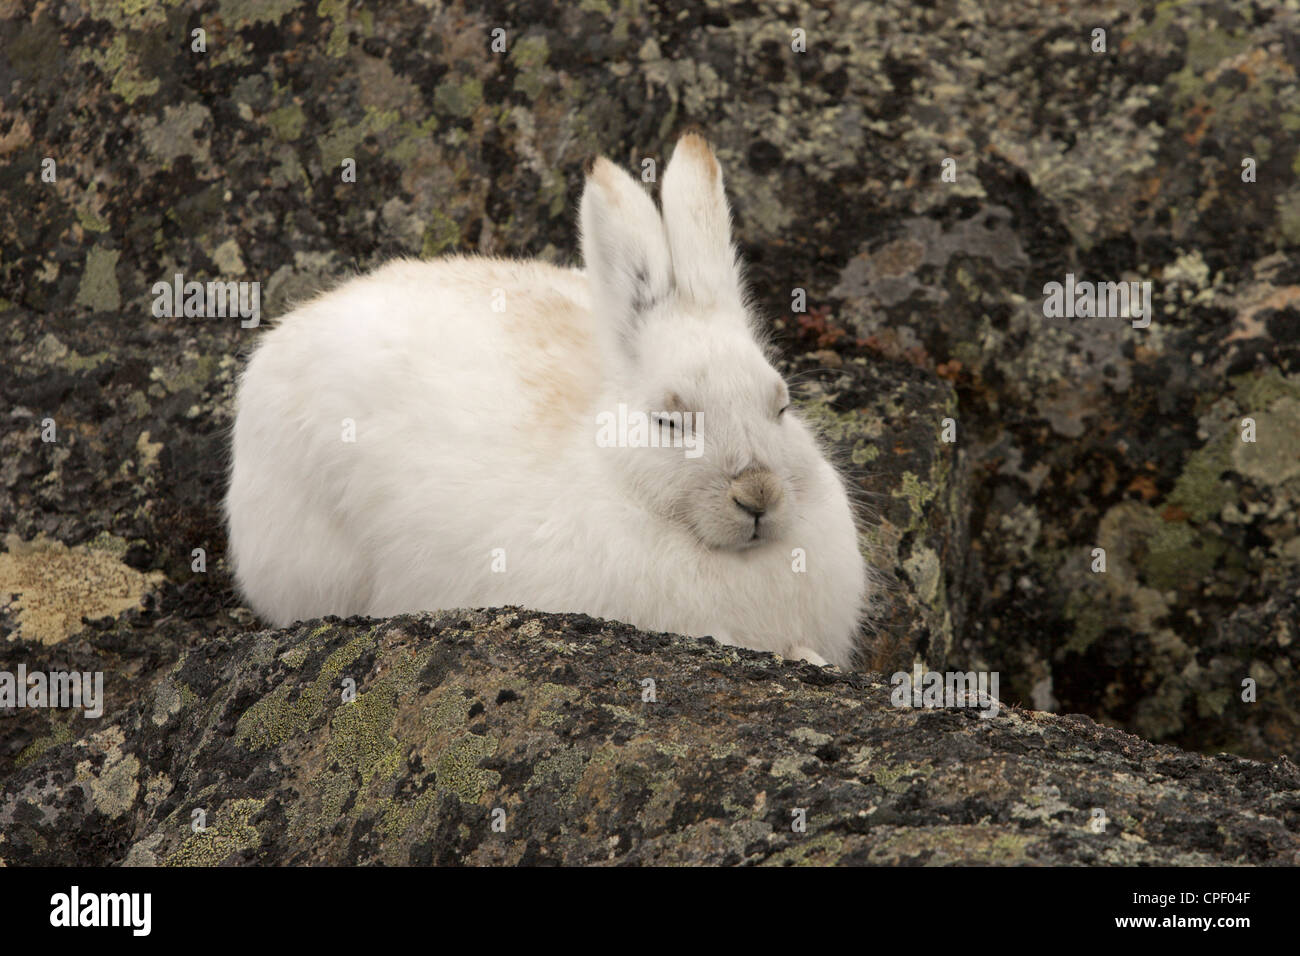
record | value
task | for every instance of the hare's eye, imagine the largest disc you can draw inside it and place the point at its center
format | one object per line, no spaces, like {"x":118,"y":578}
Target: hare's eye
{"x":664,"y":422}
{"x":782,"y":411}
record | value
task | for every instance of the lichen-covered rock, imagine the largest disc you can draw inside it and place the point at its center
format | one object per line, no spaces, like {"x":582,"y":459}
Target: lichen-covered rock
{"x":1092,"y":433}
{"x":885,"y":421}
{"x":489,"y":737}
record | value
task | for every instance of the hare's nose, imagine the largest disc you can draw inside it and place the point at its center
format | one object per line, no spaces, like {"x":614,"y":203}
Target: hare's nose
{"x":756,"y":491}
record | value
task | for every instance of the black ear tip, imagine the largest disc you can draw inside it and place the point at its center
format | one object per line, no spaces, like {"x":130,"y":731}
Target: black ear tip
{"x":693,"y":129}
{"x":589,"y":163}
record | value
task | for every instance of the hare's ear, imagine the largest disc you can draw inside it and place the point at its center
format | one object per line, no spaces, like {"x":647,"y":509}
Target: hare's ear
{"x":698,"y":223}
{"x":624,"y":247}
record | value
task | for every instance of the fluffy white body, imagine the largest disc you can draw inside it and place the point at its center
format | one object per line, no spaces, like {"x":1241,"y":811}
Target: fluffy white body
{"x":400,"y":444}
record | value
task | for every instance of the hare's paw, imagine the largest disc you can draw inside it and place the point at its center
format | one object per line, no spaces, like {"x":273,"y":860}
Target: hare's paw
{"x":809,"y":655}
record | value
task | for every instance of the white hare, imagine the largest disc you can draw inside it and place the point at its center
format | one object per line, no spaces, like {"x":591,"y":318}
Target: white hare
{"x":470,"y":432}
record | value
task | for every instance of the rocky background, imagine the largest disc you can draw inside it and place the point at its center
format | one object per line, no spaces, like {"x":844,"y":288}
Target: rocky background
{"x":923,"y":303}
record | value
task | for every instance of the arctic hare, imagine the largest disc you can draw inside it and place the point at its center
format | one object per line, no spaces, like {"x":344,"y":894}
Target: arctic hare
{"x":472,"y":432}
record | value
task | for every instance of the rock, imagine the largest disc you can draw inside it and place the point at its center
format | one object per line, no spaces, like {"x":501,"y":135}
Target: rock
{"x":885,"y":422}
{"x":53,"y":587}
{"x":497,"y":737}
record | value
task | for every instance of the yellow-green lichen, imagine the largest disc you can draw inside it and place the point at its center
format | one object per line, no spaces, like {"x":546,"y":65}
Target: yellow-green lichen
{"x":821,"y":849}
{"x":98,"y":290}
{"x":440,"y":234}
{"x":287,"y":122}
{"x":360,"y":735}
{"x":231,"y":832}
{"x":60,"y":732}
{"x":458,"y":771}
{"x":274,"y":719}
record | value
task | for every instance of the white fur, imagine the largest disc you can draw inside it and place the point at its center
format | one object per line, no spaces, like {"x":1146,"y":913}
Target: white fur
{"x":475,"y":431}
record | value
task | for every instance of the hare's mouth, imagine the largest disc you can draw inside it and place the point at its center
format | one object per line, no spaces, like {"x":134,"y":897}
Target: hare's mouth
{"x":759,"y":537}
{"x":724,"y":535}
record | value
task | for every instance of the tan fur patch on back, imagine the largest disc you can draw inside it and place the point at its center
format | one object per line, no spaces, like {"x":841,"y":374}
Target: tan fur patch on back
{"x":560,"y":357}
